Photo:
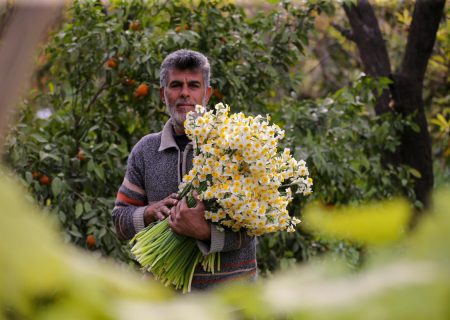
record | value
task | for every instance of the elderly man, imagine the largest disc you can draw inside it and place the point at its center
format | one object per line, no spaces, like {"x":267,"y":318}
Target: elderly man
{"x":155,"y":169}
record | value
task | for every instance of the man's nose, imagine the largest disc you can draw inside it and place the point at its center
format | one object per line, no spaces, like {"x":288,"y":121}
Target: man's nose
{"x":184,"y":91}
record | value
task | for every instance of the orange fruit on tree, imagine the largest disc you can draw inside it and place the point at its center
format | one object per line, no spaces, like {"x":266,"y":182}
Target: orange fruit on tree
{"x":90,"y":241}
{"x":81,"y":155}
{"x":36,"y":175}
{"x":135,"y":25}
{"x":128,"y":82}
{"x":112,"y":63}
{"x":141,"y":91}
{"x":181,"y":27}
{"x":217,"y":94}
{"x":44,"y":180}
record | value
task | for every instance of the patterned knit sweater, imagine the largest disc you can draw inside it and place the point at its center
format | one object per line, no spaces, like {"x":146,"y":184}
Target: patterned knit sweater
{"x":154,"y":170}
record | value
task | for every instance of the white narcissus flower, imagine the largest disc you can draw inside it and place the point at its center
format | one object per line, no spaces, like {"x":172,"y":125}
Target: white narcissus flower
{"x":239,"y":167}
{"x":200,"y":109}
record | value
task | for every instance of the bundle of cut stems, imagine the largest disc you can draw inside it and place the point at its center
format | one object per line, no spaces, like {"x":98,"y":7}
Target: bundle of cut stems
{"x":170,"y":257}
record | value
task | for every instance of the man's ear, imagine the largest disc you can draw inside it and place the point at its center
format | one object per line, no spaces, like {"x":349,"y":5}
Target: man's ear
{"x":161,"y":94}
{"x":208,"y":93}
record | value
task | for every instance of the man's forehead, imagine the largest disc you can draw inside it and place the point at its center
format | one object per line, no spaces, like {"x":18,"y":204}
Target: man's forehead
{"x":189,"y":74}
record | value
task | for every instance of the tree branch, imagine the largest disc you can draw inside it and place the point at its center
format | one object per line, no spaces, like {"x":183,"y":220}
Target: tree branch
{"x":369,"y":40}
{"x":103,"y":87}
{"x":422,"y":35}
{"x":372,"y":48}
{"x":346,"y":33}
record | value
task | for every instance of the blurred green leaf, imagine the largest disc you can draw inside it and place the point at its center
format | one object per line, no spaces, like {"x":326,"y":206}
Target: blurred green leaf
{"x":373,"y":224}
{"x":99,"y":172}
{"x":78,"y":210}
{"x":39,"y":138}
{"x":415,"y":173}
{"x":57,"y":186}
{"x":44,"y":155}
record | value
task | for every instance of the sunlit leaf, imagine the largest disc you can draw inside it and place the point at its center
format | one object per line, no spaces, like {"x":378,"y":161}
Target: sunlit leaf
{"x":376,"y":223}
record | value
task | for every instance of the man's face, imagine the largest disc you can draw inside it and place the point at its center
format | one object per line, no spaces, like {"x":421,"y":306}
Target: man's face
{"x":184,"y":90}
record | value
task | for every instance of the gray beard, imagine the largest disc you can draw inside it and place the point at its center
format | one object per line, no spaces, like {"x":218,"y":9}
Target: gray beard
{"x":178,"y":119}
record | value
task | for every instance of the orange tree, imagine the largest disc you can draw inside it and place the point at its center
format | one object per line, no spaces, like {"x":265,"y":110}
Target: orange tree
{"x":97,"y":93}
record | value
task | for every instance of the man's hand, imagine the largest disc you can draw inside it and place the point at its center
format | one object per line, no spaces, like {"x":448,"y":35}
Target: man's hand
{"x":160,"y":210}
{"x":190,"y":222}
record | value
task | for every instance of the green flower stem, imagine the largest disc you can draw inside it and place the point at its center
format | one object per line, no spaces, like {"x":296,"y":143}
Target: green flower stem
{"x":170,"y":257}
{"x":185,"y":191}
{"x":209,"y":262}
{"x":187,"y":285}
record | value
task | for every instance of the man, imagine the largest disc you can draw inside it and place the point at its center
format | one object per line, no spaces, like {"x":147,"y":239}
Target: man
{"x":156,"y":166}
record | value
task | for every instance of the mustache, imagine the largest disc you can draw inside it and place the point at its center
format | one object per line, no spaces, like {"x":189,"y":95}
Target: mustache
{"x":184,"y":101}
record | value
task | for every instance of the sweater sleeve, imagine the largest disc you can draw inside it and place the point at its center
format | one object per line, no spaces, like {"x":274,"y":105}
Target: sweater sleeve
{"x":224,"y":240}
{"x":131,"y":199}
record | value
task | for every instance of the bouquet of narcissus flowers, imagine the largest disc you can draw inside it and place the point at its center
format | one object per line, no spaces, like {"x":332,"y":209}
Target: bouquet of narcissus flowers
{"x":242,"y":178}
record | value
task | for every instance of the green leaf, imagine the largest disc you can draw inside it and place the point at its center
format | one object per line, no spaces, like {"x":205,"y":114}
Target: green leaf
{"x":39,"y":138}
{"x":57,"y":186}
{"x":99,"y":172}
{"x":78,"y":210}
{"x":415,"y":173}
{"x":28,"y":177}
{"x":76,"y":233}
{"x":91,"y":166}
{"x":62,"y":216}
{"x":51,"y":87}
{"x":101,"y":233}
{"x":376,"y":223}
{"x":45,"y":155}
{"x":415,"y":127}
{"x":87,"y":207}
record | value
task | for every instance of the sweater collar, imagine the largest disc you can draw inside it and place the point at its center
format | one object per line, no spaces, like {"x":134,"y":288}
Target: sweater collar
{"x":167,"y":139}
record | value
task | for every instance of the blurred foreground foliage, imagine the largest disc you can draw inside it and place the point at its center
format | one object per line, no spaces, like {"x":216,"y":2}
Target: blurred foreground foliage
{"x":405,"y":276}
{"x":83,"y":115}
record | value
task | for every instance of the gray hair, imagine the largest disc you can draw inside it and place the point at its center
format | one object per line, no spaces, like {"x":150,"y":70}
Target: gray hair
{"x":184,"y":60}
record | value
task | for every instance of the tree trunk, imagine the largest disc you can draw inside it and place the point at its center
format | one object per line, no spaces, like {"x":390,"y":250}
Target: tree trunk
{"x":406,"y":91}
{"x":21,"y":30}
